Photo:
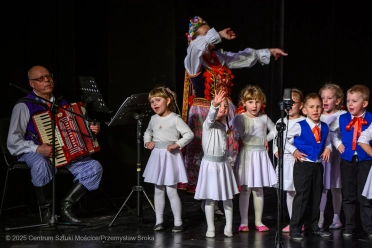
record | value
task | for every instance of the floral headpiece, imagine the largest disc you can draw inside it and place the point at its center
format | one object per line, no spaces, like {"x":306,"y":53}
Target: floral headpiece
{"x":194,"y":24}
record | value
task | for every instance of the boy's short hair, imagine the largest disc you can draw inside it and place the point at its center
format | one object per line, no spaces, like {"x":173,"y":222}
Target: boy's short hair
{"x":362,"y":89}
{"x":312,"y":96}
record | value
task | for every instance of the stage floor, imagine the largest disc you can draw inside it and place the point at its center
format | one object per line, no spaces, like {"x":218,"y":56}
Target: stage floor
{"x":127,"y":231}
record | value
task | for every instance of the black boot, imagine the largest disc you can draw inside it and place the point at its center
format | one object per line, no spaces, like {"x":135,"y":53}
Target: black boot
{"x":44,"y":196}
{"x":75,"y":193}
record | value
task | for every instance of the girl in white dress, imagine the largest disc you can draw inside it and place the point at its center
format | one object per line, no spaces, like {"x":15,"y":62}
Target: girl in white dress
{"x":332,"y":97}
{"x":294,"y":116}
{"x":365,"y":141}
{"x":253,"y":170}
{"x":165,"y":166}
{"x":216,"y":179}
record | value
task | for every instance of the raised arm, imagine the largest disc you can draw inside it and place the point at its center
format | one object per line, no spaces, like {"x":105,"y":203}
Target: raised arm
{"x":197,"y":48}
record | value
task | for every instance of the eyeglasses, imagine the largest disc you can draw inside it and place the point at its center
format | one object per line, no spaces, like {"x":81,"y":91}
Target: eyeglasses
{"x":41,"y":78}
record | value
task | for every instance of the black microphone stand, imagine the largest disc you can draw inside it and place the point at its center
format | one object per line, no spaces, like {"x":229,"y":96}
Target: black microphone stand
{"x":280,"y":127}
{"x":53,"y":110}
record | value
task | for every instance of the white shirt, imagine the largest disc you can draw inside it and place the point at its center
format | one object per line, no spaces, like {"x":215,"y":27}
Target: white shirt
{"x":366,"y":135}
{"x":246,"y":58}
{"x":296,"y":131}
{"x":168,"y":129}
{"x":17,"y":130}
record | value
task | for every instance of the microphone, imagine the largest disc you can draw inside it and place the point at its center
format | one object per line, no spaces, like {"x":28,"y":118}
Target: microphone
{"x":287,"y":99}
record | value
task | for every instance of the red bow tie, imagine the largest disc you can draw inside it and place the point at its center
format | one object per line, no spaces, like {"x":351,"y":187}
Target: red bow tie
{"x":357,"y":123}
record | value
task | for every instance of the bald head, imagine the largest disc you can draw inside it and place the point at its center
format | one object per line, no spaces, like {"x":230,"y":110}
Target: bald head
{"x":36,"y":70}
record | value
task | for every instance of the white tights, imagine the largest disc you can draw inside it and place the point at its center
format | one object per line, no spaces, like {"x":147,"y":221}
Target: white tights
{"x":290,"y":196}
{"x":258,"y":201}
{"x":209,"y":214}
{"x":175,"y":203}
{"x":337,"y":201}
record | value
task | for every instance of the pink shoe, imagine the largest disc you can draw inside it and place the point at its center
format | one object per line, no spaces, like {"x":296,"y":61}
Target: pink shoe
{"x":243,"y":228}
{"x":262,"y":228}
{"x":286,"y":229}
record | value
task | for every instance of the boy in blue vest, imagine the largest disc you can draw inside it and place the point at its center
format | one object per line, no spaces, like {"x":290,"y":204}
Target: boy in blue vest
{"x":309,"y":142}
{"x":355,"y":162}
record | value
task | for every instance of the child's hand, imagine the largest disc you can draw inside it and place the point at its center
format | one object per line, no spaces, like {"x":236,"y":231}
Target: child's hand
{"x":277,"y":53}
{"x":299,"y":156}
{"x":276,"y":154}
{"x":173,"y":147}
{"x":150,"y":145}
{"x":326,"y":154}
{"x":341,"y":148}
{"x":267,"y":145}
{"x":220,"y":96}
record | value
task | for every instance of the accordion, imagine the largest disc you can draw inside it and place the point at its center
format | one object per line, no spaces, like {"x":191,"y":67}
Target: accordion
{"x":73,"y":138}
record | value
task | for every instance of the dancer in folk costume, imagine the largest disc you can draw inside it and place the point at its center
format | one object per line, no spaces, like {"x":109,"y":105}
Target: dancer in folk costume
{"x":293,"y":116}
{"x":165,"y":166}
{"x":207,"y":72}
{"x":253,"y":169}
{"x":332,"y":97}
{"x":216,"y":179}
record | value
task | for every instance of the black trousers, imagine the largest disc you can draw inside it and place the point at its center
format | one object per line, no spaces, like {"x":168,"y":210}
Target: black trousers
{"x":353,"y":178}
{"x":308,"y":182}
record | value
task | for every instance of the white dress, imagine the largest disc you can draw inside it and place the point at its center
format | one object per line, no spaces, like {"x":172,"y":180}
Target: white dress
{"x":288,"y":159}
{"x":164,"y":167}
{"x":332,"y":175}
{"x":253,"y":167}
{"x":366,"y":137}
{"x":216,"y":179}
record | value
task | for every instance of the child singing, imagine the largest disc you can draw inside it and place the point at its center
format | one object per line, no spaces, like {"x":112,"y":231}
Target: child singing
{"x":293,"y":116}
{"x":254,"y":170}
{"x":332,"y":97}
{"x":165,"y":166}
{"x":309,"y":142}
{"x":355,"y":162}
{"x":216,"y":179}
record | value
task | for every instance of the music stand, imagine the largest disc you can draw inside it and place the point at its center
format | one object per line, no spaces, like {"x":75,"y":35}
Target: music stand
{"x":53,"y":110}
{"x":91,"y":94}
{"x":136,"y":107}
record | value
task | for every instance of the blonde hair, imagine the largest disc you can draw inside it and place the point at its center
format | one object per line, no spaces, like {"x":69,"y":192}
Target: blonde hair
{"x":336,"y":90}
{"x":360,"y":89}
{"x":165,"y":93}
{"x":251,"y":92}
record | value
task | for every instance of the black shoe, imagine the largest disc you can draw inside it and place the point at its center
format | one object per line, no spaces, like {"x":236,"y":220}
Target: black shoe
{"x":369,"y":234}
{"x":177,"y":229}
{"x":296,"y":236}
{"x":348,"y":233}
{"x":74,"y":195}
{"x":219,"y":216}
{"x":321,"y":233}
{"x":159,"y":227}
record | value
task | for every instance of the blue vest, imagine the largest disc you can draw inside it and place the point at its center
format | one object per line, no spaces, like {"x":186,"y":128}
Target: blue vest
{"x":347,"y":137}
{"x":306,"y":142}
{"x":34,"y":108}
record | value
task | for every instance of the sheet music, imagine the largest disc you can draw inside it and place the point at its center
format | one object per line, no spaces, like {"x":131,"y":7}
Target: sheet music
{"x":137,"y":103}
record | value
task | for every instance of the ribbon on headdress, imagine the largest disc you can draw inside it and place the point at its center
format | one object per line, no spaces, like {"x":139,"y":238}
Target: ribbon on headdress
{"x":194,"y":24}
{"x":357,"y":123}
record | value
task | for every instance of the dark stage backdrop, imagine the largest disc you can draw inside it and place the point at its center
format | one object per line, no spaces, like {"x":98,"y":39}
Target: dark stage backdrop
{"x":131,"y":46}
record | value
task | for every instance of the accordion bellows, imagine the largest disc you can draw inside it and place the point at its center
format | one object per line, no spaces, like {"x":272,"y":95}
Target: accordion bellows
{"x":73,"y":138}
